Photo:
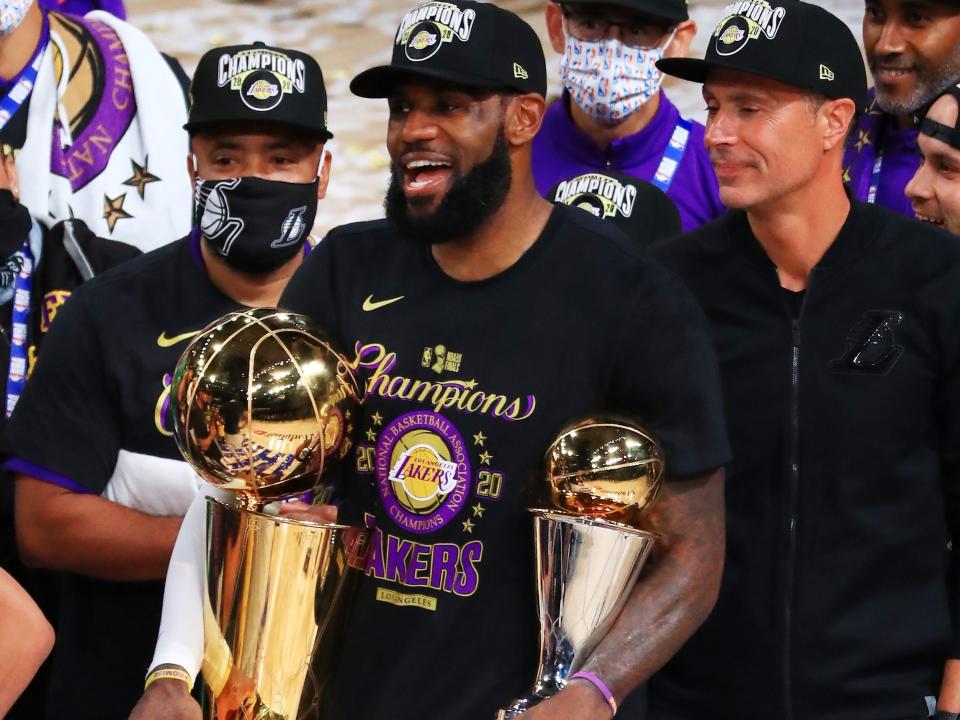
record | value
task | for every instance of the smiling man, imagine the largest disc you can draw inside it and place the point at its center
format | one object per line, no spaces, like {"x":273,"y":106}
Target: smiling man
{"x":934,"y":190}
{"x":837,"y":324}
{"x":100,"y":487}
{"x":482,"y":327}
{"x":913,"y":49}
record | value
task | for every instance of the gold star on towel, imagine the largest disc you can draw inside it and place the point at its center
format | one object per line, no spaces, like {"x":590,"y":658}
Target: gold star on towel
{"x":141,"y":176}
{"x":479,"y":439}
{"x":377,"y":419}
{"x":478,"y":510}
{"x":468,"y":526}
{"x":485,"y":458}
{"x":113,"y":210}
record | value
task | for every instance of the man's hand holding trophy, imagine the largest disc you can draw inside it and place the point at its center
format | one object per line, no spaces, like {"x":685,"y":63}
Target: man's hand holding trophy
{"x":590,"y":544}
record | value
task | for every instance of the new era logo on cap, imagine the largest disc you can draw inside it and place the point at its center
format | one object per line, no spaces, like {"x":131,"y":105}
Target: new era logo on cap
{"x":519,"y":72}
{"x":826,"y":74}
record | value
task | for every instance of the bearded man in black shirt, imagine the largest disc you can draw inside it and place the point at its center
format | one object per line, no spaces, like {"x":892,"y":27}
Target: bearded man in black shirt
{"x":100,"y":485}
{"x":485,"y":320}
{"x":838,"y":329}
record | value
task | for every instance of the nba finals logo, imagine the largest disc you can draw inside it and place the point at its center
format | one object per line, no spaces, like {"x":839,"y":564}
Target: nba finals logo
{"x":598,"y":194}
{"x":423,"y":473}
{"x":261,"y":76}
{"x":425,"y":29}
{"x":746,"y":21}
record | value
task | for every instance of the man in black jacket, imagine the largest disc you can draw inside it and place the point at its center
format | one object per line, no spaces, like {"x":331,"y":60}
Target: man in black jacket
{"x":837,"y":329}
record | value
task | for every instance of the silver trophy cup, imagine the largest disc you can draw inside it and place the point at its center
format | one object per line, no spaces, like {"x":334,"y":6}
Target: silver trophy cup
{"x":601,"y":478}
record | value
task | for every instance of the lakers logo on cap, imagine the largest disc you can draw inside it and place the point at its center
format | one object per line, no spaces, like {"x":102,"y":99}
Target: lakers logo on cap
{"x":598,"y":194}
{"x":425,"y":30}
{"x":261,"y":76}
{"x":746,"y":21}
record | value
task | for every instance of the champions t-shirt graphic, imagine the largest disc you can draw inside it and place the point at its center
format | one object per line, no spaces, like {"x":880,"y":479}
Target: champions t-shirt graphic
{"x":466,"y":384}
{"x":598,"y":194}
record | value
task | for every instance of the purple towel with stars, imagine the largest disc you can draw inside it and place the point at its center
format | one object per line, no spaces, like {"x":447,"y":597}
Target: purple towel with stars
{"x":105,"y":140}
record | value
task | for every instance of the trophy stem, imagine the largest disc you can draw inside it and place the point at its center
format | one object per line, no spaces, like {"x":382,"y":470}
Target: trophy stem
{"x":276,"y":596}
{"x":586,"y":569}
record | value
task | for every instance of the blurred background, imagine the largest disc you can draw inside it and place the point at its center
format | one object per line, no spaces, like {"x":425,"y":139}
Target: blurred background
{"x":347,"y":36}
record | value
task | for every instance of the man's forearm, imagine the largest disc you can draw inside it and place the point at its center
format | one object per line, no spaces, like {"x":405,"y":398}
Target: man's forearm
{"x":90,"y":535}
{"x":949,"y":699}
{"x":677,"y":594}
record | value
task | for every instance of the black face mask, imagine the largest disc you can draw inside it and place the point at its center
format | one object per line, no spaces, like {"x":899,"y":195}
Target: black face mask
{"x":255,"y":225}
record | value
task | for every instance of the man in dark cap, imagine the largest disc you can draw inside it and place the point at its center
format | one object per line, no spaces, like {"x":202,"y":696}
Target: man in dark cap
{"x":100,"y":487}
{"x":486,"y":319}
{"x":836,"y":323}
{"x":613,"y":116}
{"x":934,"y":190}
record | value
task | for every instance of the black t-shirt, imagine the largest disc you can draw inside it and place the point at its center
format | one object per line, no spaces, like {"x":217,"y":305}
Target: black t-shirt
{"x":467,"y":383}
{"x":101,"y":386}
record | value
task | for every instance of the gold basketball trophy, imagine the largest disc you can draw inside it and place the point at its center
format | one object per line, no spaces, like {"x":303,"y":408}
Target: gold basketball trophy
{"x":602,"y":476}
{"x":263,"y":403}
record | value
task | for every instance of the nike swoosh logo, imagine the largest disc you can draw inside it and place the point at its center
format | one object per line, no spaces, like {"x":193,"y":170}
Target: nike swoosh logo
{"x":369,"y":304}
{"x":165,"y":342}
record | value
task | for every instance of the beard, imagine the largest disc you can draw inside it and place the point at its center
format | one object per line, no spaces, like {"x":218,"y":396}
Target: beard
{"x":470,"y":202}
{"x":929,"y":87}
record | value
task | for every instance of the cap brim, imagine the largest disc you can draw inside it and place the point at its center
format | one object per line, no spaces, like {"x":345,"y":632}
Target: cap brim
{"x":692,"y":69}
{"x":379,"y":82}
{"x":194,"y":127}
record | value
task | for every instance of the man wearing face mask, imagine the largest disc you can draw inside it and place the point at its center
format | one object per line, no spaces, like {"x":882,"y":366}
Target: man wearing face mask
{"x":612,"y":115}
{"x":100,"y":488}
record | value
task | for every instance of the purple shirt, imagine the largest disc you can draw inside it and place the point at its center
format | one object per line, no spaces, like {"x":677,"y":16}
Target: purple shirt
{"x":562,"y":151}
{"x":878,"y":134}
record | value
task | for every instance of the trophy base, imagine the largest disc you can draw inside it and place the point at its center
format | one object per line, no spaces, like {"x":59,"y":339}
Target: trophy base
{"x":518,"y":707}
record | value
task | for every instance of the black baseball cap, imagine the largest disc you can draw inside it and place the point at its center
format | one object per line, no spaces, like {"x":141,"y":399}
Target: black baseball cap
{"x":673,"y":10}
{"x":257,"y":82}
{"x":640,"y":210}
{"x":462,"y":42}
{"x":796,"y":43}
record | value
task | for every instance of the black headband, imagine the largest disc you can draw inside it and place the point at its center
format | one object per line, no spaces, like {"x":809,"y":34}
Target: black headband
{"x":939,"y":131}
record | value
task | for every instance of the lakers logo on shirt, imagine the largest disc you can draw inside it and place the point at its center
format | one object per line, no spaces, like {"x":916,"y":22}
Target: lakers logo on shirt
{"x":425,"y":29}
{"x":423,"y":473}
{"x":746,"y":21}
{"x":872,"y":347}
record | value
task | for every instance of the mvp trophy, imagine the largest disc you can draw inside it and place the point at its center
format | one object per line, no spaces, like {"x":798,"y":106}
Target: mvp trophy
{"x":262,"y":407}
{"x":601,"y":478}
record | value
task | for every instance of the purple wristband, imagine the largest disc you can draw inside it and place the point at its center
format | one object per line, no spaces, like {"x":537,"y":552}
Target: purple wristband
{"x":601,"y":687}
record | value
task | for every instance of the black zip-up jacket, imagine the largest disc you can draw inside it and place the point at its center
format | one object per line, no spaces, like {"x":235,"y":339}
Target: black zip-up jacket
{"x":837,"y":601}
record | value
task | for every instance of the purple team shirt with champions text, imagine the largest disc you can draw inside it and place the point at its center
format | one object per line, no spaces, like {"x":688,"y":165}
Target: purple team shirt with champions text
{"x":562,"y":151}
